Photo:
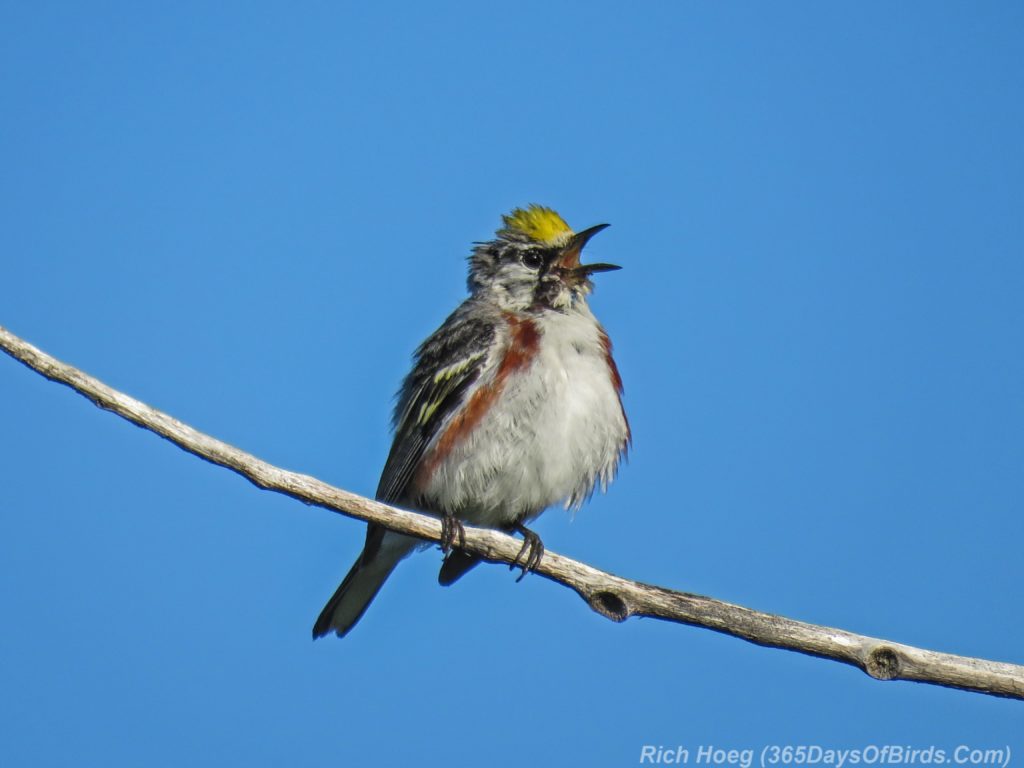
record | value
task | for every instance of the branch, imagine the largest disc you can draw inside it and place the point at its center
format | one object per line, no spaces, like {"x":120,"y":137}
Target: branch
{"x":611,"y":596}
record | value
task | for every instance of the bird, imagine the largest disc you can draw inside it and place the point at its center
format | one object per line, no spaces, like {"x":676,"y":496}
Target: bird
{"x":512,"y":406}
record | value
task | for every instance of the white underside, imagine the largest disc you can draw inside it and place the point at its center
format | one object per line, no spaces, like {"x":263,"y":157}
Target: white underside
{"x":555,"y":433}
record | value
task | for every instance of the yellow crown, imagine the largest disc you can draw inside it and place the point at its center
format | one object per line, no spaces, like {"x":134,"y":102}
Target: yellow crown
{"x":537,"y":223}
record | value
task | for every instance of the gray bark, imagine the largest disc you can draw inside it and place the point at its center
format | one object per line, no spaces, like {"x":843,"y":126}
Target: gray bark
{"x":611,"y":596}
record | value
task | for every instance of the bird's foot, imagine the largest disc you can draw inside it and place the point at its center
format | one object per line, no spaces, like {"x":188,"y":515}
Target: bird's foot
{"x":533,"y":548}
{"x":451,"y":529}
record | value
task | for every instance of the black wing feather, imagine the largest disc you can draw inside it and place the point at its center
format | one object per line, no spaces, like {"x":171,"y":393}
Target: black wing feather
{"x":446,"y":366}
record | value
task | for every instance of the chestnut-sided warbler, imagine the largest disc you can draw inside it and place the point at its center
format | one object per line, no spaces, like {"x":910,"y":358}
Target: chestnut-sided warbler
{"x":512,"y":405}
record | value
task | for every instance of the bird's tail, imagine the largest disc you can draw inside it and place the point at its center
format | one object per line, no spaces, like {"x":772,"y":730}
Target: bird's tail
{"x":360,"y":586}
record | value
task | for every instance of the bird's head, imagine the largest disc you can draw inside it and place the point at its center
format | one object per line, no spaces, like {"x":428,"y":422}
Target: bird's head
{"x":534,"y":262}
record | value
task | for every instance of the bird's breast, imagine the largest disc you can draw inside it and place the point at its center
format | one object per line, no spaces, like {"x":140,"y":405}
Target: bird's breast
{"x":547,"y":425}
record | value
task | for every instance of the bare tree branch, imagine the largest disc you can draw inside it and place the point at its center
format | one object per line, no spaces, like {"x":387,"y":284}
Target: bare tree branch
{"x":609,"y":595}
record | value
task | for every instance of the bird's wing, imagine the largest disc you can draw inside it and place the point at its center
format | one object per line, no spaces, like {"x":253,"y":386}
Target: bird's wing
{"x":449,"y":364}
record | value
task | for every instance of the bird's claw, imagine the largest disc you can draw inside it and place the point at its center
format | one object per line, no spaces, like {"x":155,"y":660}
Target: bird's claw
{"x":452,"y":529}
{"x":532,"y":547}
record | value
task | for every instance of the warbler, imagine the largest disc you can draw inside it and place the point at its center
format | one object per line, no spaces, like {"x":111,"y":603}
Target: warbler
{"x":513,"y":405}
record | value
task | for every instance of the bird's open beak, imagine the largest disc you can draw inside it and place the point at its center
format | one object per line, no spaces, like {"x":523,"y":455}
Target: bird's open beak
{"x":569,"y":260}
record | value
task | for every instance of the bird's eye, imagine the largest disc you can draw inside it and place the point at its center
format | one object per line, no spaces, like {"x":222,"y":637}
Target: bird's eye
{"x":532,"y":259}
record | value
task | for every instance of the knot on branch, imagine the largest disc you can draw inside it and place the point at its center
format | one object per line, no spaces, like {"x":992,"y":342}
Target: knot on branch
{"x":882,"y":663}
{"x":610,"y":605}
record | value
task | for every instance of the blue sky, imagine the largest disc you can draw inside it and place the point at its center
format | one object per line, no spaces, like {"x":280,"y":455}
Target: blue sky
{"x":248,"y":215}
